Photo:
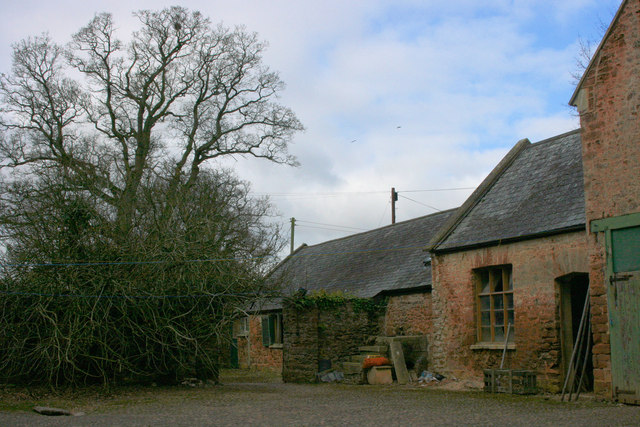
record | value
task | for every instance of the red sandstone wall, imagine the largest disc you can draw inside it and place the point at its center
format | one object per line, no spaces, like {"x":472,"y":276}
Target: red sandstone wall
{"x":243,"y":352}
{"x":535,"y":266}
{"x":408,"y":315}
{"x":260,"y":357}
{"x":611,"y":158}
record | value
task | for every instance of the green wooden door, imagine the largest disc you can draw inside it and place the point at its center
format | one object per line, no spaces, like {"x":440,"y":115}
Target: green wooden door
{"x":624,"y":320}
{"x":622,"y":241}
{"x":233,"y":359}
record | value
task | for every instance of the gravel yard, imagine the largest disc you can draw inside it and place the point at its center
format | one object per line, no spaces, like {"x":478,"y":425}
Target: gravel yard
{"x":273,"y":403}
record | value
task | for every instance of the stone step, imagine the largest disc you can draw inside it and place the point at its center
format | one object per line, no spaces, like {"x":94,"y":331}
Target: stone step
{"x":358,"y":358}
{"x":351,"y":367}
{"x":374,"y":349}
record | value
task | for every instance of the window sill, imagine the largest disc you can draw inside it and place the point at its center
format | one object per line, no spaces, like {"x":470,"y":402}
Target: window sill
{"x":492,"y":346}
{"x":275,"y":346}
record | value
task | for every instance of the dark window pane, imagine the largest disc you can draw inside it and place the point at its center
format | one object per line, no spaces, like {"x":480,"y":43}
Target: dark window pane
{"x":510,"y":281}
{"x":486,"y":318}
{"x":485,"y":303}
{"x":511,"y":317}
{"x":499,"y":333}
{"x":497,"y":302}
{"x":499,"y":316}
{"x":510,"y":301}
{"x":484,"y":282}
{"x":497,"y":280}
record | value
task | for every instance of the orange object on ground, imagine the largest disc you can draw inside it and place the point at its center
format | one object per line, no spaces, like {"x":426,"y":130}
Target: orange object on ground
{"x":375,"y":361}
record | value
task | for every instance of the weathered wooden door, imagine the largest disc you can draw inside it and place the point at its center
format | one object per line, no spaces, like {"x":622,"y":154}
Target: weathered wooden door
{"x":622,"y":241}
{"x":624,"y":319}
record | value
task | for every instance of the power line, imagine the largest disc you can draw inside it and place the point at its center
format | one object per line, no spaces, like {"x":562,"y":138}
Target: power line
{"x":438,"y":189}
{"x":420,"y":203}
{"x":325,"y":228}
{"x":102,"y":296}
{"x":95,"y":264}
{"x":345,"y":193}
{"x":330,"y":225}
{"x":386,"y":208}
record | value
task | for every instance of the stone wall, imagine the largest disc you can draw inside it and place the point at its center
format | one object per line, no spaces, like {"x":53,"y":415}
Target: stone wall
{"x":409,"y":314}
{"x":535,"y":266}
{"x":609,"y":103}
{"x":333,"y":334}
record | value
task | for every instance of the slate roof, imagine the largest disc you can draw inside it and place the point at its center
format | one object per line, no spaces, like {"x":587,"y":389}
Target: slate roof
{"x":387,"y":259}
{"x":539,"y":192}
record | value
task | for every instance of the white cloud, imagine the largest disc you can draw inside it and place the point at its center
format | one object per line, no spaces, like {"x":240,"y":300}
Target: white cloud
{"x":463,"y":79}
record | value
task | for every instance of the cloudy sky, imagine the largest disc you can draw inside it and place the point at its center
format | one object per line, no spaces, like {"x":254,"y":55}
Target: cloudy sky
{"x":417,"y":95}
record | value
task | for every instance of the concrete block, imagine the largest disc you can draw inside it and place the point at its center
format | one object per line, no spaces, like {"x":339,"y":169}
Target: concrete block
{"x":351,"y":367}
{"x":374,"y":349}
{"x":380,"y":375}
{"x":399,"y":364}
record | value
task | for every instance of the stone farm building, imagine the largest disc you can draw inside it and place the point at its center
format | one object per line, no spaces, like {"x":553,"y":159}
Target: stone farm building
{"x":554,"y":222}
{"x":388,"y":261}
{"x":608,"y":101}
{"x":514,"y":254}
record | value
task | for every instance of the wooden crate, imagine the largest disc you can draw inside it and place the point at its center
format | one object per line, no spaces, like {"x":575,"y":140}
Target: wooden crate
{"x":510,"y":381}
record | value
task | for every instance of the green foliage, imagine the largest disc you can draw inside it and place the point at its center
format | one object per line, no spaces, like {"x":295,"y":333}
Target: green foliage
{"x":323,"y":300}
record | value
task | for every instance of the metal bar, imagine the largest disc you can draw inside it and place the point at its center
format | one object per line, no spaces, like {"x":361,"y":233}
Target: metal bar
{"x":506,"y":341}
{"x":581,"y":356}
{"x":584,"y":366}
{"x":575,"y":345}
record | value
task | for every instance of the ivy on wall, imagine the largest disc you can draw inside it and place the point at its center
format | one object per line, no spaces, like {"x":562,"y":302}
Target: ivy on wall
{"x":324,"y":300}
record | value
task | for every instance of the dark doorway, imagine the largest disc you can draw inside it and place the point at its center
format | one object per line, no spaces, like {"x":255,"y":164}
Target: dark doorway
{"x":574,"y":288}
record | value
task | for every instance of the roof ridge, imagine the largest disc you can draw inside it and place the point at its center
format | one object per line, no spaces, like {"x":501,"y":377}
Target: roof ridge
{"x":479,"y":192}
{"x":378,"y":229}
{"x":556,"y":138}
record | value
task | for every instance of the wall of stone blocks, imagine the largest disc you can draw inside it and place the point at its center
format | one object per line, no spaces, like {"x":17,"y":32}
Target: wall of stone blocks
{"x":536,"y":264}
{"x":610,"y":123}
{"x":409,"y":314}
{"x":312,"y":335}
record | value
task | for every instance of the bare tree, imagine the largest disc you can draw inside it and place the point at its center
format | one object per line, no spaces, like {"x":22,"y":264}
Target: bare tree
{"x":128,"y":251}
{"x":180,"y":93}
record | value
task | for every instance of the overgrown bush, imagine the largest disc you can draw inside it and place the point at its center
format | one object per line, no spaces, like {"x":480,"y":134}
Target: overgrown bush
{"x":79,"y":305}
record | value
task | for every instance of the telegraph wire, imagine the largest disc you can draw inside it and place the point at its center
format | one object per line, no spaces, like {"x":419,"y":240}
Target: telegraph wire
{"x":346,"y":193}
{"x":107,"y":263}
{"x":420,"y":203}
{"x":326,"y":228}
{"x":331,"y":225}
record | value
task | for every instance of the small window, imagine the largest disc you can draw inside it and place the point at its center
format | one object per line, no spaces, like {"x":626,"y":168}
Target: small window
{"x":272,"y":330}
{"x":241,"y":327}
{"x":494,"y":299}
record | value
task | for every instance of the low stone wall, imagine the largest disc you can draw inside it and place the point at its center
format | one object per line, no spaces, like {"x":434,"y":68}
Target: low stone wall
{"x":312,"y":335}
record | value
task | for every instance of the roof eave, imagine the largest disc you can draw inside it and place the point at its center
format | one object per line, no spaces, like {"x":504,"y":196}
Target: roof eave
{"x":461,"y":248}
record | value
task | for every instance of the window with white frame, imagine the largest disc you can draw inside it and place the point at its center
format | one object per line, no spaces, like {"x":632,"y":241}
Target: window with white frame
{"x":241,"y":327}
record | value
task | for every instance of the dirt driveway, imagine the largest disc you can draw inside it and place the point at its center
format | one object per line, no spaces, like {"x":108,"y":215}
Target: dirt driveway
{"x":277,"y":404}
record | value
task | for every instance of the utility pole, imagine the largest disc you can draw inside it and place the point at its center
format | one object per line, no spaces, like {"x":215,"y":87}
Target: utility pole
{"x":394,"y":198}
{"x":293,"y":231}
